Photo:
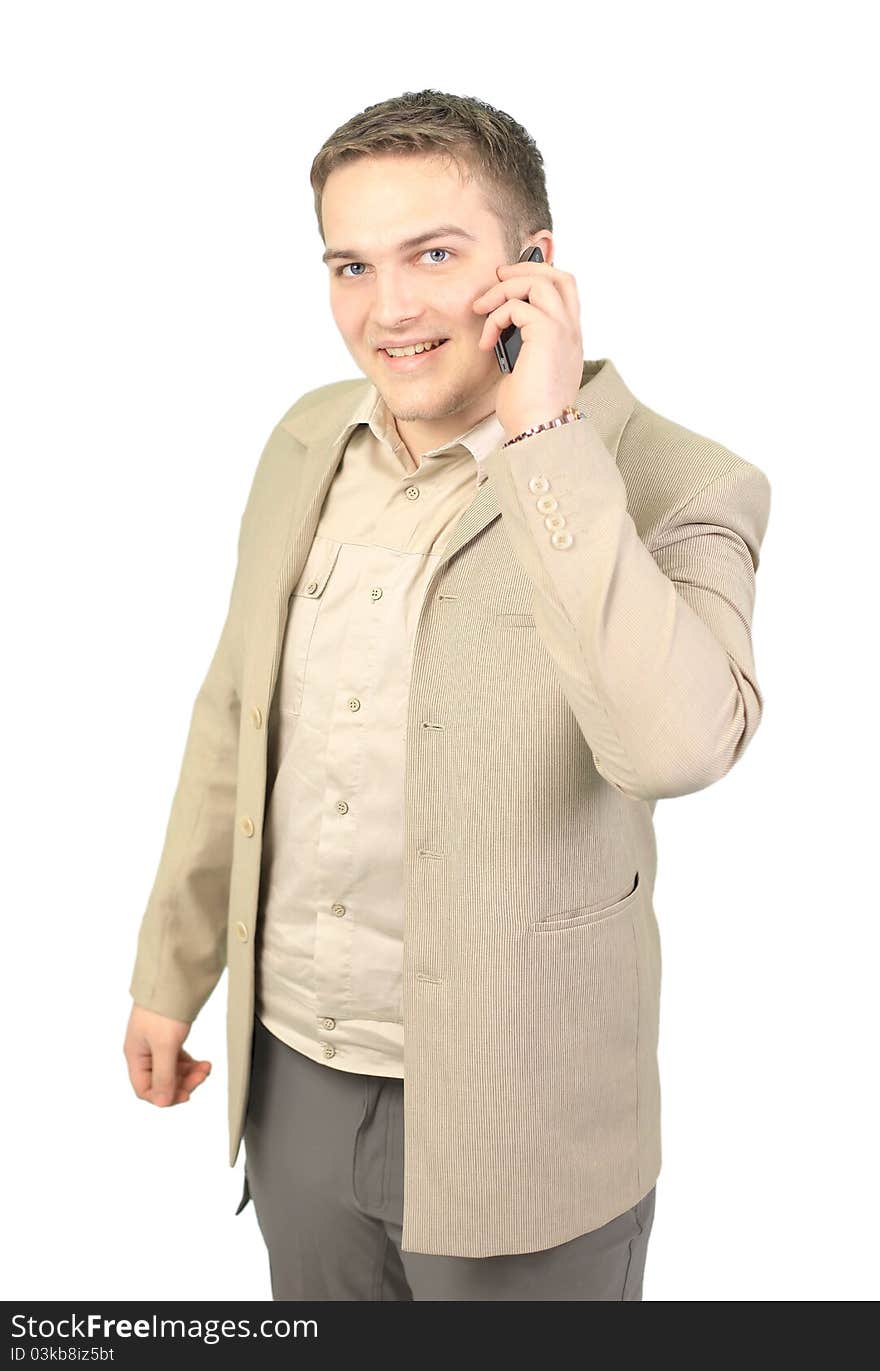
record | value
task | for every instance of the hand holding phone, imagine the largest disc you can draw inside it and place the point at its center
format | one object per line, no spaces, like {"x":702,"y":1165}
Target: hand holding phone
{"x":510,"y":340}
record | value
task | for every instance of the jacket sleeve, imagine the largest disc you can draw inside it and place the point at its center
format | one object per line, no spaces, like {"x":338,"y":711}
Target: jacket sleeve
{"x":652,"y":641}
{"x":181,"y":949}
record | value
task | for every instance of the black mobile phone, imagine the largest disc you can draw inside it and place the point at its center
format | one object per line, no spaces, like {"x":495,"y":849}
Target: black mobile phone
{"x":509,"y":343}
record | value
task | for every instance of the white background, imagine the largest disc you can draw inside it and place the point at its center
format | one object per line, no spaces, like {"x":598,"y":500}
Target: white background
{"x":710,"y":171}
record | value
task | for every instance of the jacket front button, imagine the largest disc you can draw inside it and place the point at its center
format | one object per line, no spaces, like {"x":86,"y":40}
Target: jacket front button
{"x":247,"y":825}
{"x":341,"y":807}
{"x":338,"y":910}
{"x":256,"y":716}
{"x":241,"y":932}
{"x":329,"y":1051}
{"x":376,"y":593}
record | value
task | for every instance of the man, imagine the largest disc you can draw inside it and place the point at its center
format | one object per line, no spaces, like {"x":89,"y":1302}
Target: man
{"x":480,"y":623}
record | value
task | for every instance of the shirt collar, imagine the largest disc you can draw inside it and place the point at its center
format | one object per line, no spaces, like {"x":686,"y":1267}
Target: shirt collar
{"x":479,"y":440}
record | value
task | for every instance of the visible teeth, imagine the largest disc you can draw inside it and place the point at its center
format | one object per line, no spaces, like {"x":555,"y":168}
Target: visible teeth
{"x":417,"y":347}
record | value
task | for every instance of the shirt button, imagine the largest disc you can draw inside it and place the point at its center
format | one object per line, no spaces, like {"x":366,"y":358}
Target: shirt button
{"x":538,"y":484}
{"x":341,"y":807}
{"x":338,"y":910}
{"x":376,"y":593}
{"x":412,"y":492}
{"x":241,"y":932}
{"x":559,"y":539}
{"x":256,"y":716}
{"x":329,"y":1050}
{"x":328,"y":1023}
{"x":246,"y":824}
{"x":354,"y":704}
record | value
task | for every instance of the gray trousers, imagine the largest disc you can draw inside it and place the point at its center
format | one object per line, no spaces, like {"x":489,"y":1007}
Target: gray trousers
{"x":324,"y":1168}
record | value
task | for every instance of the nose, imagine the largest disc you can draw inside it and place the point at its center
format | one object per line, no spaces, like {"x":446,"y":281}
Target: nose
{"x":395,"y":305}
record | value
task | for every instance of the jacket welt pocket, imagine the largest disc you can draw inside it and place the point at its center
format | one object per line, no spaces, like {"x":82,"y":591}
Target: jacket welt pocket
{"x":587,"y":914}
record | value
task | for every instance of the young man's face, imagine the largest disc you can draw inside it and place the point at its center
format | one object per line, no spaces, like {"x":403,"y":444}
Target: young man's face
{"x":381,"y":292}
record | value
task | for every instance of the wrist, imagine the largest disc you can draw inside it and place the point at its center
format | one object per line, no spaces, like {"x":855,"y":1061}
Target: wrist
{"x":569,"y":415}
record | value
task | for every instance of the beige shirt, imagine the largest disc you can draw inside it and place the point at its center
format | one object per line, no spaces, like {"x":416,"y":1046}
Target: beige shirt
{"x":330,"y":950}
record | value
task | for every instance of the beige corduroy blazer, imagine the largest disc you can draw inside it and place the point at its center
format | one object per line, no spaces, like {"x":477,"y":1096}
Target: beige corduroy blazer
{"x":583,"y":650}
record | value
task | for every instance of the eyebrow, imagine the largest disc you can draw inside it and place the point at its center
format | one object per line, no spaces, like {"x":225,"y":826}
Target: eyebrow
{"x":443,"y":231}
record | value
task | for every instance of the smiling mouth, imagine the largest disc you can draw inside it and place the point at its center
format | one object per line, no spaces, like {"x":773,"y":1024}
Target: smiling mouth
{"x":411,"y":362}
{"x":399,"y":355}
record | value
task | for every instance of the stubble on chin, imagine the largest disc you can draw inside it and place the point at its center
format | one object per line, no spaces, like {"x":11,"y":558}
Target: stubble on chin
{"x":452,"y":398}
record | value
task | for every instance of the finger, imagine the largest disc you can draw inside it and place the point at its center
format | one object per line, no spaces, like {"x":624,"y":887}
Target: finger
{"x":188,"y":1065}
{"x":515,"y":311}
{"x":543,"y":293}
{"x":185,"y":1059}
{"x":564,"y":280}
{"x":164,"y":1083}
{"x":505,"y":269}
{"x":140,"y":1070}
{"x":181,"y":1096}
{"x":565,"y":307}
{"x":141,"y":1078}
{"x":193,"y":1077}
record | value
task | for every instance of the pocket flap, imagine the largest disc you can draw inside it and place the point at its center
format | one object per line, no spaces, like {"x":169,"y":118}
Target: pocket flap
{"x":316,"y":572}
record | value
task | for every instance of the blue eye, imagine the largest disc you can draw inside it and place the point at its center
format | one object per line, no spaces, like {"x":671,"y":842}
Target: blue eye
{"x":339,"y":270}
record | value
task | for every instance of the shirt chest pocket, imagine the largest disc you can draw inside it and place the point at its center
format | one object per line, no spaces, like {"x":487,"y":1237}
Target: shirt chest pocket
{"x":303,"y":609}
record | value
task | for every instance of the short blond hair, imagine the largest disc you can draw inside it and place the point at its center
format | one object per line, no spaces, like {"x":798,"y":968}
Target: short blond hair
{"x":485,"y":144}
